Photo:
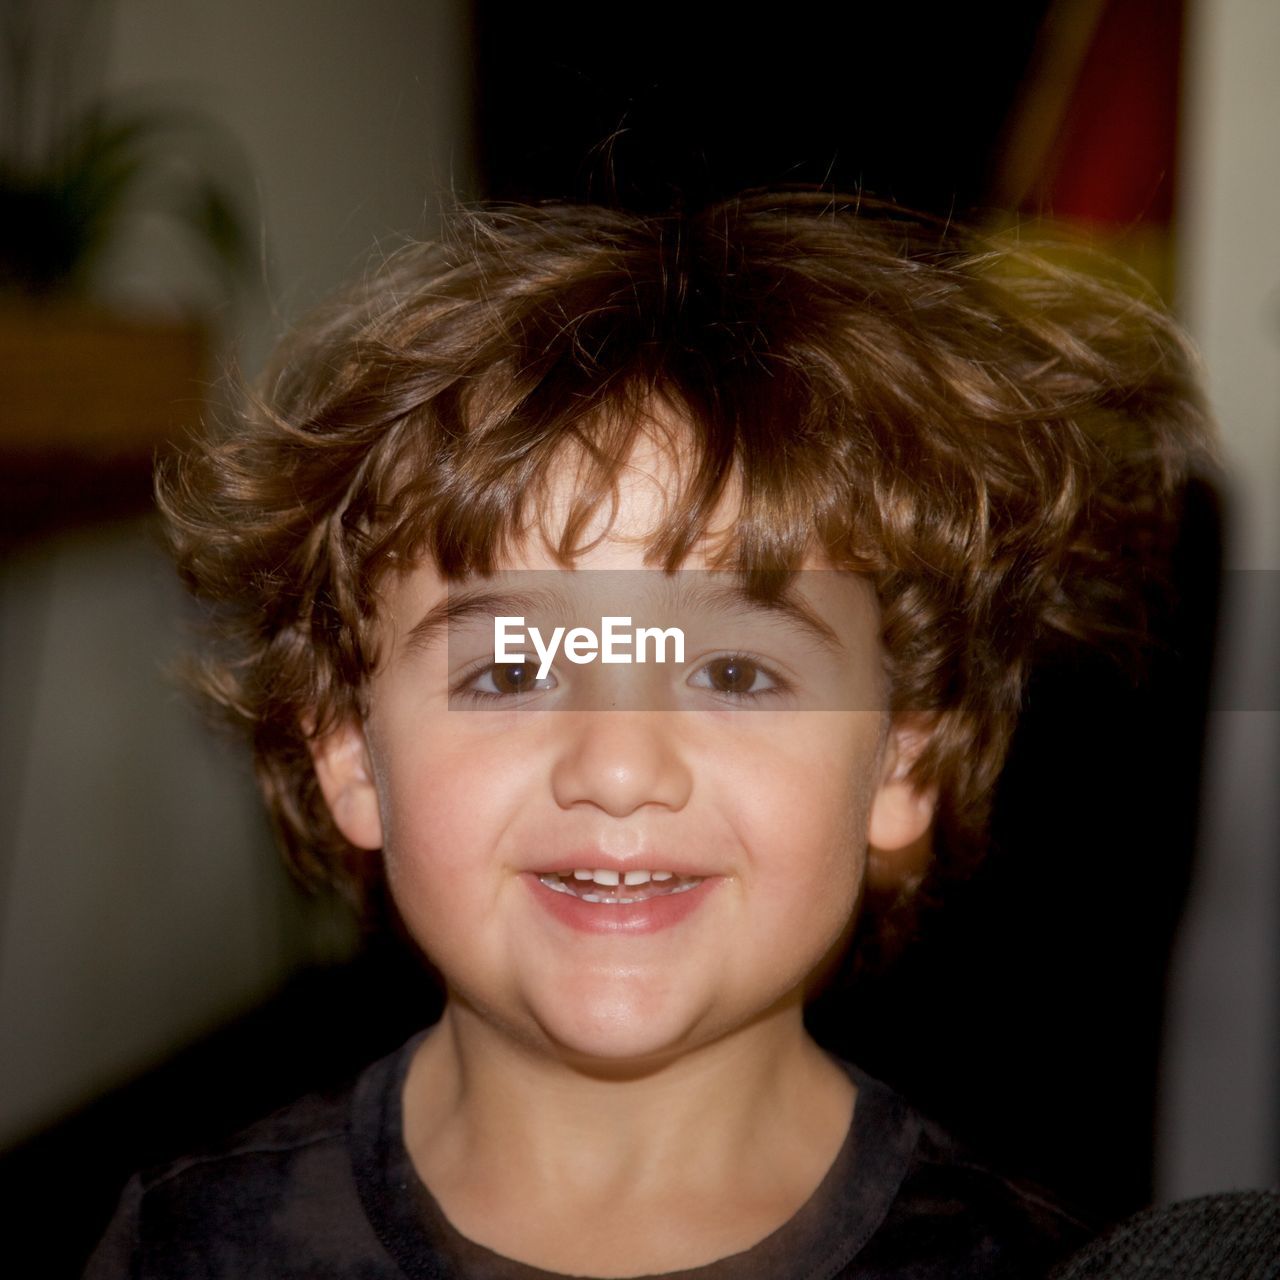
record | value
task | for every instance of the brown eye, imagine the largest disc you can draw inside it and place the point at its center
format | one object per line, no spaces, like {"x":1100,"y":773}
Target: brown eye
{"x":732,"y":675}
{"x":507,"y":680}
{"x":736,"y":676}
{"x":514,"y":677}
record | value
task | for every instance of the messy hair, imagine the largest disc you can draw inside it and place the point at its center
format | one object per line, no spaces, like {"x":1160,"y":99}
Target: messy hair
{"x":998,"y":440}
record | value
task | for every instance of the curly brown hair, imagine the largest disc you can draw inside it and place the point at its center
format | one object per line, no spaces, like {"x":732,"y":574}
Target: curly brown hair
{"x":996,"y":438}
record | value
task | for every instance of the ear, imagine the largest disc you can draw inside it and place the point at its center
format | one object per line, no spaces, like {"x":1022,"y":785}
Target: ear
{"x":899,"y":847}
{"x":345,"y":774}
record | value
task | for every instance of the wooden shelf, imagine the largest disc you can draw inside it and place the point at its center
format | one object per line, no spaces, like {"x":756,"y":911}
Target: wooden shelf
{"x":87,"y":400}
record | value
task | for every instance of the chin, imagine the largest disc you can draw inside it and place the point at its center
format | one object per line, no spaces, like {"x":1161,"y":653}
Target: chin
{"x":618,"y":1032}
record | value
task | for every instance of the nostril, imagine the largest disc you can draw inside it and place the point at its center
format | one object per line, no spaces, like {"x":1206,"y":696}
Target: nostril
{"x":620,"y":762}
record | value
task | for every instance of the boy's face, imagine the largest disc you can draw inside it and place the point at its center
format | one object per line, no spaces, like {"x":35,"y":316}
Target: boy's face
{"x":755,"y":771}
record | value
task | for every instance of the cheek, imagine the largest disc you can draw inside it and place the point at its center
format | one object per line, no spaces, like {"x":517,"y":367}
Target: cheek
{"x":445,"y":814}
{"x":804,"y":802}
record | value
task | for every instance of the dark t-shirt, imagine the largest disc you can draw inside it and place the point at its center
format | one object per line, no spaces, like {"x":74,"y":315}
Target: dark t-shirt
{"x":326,"y":1188}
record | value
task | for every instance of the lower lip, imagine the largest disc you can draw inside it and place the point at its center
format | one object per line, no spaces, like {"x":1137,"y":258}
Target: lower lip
{"x":625,"y":917}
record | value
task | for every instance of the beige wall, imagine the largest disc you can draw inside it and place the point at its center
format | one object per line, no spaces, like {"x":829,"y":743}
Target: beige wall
{"x":142,"y":900}
{"x":1221,"y":1108}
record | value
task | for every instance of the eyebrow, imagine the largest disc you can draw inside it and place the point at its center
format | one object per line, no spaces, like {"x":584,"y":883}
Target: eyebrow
{"x":469,"y":603}
{"x":464,"y":604}
{"x":735,"y":597}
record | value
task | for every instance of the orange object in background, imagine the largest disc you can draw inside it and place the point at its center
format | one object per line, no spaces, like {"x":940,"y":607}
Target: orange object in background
{"x":87,"y":399}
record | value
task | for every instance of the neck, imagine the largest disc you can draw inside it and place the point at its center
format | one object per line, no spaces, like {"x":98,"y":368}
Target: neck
{"x":486,"y":1112}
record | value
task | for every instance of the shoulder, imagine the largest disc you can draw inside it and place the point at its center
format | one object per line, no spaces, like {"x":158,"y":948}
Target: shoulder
{"x":277,"y":1199}
{"x":950,"y":1213}
{"x":1006,"y":1225}
{"x":261,"y":1163}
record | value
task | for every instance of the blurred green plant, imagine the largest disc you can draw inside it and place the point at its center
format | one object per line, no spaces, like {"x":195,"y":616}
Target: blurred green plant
{"x":58,"y":216}
{"x":77,"y":166}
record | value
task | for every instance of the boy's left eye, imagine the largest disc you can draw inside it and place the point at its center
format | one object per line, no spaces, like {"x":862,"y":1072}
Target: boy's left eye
{"x":737,"y":676}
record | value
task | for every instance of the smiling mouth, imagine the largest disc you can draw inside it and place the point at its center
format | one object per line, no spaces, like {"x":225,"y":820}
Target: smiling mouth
{"x":611,"y":889}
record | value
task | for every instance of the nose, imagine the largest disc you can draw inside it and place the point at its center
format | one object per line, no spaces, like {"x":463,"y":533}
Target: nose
{"x":620,"y":761}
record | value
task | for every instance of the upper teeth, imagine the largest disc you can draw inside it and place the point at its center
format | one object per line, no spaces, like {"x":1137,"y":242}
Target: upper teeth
{"x":606,"y":877}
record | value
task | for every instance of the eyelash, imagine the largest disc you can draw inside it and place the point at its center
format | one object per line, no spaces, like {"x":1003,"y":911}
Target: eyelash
{"x":779,"y":685}
{"x":462,"y":690}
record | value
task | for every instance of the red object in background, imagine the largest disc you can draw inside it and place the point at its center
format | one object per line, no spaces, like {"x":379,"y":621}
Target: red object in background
{"x":1110,"y":153}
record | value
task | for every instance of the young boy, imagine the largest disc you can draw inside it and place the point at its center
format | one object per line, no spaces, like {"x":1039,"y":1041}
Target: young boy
{"x":771,"y":505}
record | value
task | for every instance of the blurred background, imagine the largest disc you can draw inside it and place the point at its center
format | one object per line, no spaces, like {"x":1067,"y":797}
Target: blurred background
{"x":1099,"y":1010}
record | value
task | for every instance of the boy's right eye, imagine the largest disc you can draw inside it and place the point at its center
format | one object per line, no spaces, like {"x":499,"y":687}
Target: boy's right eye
{"x":506,"y":680}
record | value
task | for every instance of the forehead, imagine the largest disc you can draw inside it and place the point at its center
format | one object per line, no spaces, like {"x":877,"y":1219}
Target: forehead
{"x":611,"y":556}
{"x":620,"y":530}
{"x":613,"y":571}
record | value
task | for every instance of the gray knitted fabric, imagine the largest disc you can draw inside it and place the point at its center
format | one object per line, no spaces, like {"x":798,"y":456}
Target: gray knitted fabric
{"x":1234,"y":1235}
